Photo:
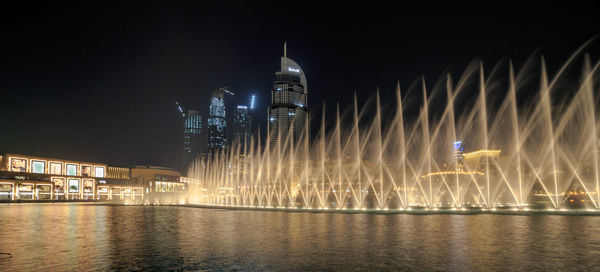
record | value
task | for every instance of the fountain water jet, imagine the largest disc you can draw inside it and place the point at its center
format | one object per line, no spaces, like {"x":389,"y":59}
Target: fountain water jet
{"x":523,"y":153}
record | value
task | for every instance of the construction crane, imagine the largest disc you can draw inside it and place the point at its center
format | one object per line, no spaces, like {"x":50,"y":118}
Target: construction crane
{"x":180,"y":109}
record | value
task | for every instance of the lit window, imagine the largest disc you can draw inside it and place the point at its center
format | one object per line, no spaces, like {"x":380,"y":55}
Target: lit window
{"x":38,"y":167}
{"x":99,"y":172}
{"x":71,"y":169}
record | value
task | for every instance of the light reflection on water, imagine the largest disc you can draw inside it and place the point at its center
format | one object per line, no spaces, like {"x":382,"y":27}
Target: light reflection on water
{"x":65,"y":237}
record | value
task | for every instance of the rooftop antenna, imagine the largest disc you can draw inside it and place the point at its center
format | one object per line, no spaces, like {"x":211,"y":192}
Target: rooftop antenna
{"x":285,"y":53}
{"x":180,"y":109}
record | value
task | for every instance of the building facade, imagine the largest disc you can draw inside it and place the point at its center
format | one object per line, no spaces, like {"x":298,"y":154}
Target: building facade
{"x":217,"y":124}
{"x":24,"y":177}
{"x":193,"y":137}
{"x":241,"y":129}
{"x":288,"y":113}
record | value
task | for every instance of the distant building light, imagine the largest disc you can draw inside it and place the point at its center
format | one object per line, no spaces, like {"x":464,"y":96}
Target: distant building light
{"x":242,"y":107}
{"x":293,"y":70}
{"x":482,"y":153}
{"x":272,"y":119}
{"x":457,"y":145}
{"x":252,"y":101}
{"x":278,"y":89}
{"x":291,"y":113}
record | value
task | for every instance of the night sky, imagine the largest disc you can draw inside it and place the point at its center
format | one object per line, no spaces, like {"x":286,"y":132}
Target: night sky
{"x":98,"y":82}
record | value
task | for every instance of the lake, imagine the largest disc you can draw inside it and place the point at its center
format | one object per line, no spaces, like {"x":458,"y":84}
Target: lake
{"x":90,"y":237}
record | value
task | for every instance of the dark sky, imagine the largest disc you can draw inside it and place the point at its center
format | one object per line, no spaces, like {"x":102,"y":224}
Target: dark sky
{"x":98,"y":82}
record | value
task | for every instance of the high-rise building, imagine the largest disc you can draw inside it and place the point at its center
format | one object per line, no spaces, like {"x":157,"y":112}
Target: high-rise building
{"x":288,"y":111}
{"x":192,"y":136}
{"x":241,"y":130}
{"x":217,"y":124}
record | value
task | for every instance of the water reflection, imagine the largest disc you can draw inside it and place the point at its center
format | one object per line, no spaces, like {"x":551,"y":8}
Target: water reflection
{"x":68,"y":237}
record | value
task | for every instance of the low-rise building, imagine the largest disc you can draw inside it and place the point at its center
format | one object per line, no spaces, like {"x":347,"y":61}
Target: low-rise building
{"x":24,"y":177}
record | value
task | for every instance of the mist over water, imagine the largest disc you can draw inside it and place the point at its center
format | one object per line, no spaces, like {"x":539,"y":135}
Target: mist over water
{"x":498,"y":137}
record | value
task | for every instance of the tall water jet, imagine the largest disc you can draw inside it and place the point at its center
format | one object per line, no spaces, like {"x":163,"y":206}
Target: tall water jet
{"x":496,"y":149}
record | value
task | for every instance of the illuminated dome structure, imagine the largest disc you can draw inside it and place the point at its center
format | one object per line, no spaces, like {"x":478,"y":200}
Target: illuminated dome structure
{"x":288,"y":113}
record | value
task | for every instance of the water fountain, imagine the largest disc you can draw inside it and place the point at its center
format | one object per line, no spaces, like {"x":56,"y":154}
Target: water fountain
{"x":496,"y":142}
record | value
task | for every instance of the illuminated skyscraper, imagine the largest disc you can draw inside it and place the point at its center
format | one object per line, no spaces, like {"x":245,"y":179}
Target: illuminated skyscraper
{"x":241,"y":127}
{"x":217,"y":124}
{"x":288,"y":113}
{"x":192,"y":132}
{"x":194,"y":138}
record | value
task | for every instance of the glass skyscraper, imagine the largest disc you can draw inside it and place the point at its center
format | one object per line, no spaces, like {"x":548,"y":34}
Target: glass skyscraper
{"x":241,"y":130}
{"x":288,"y":111}
{"x":194,"y":136}
{"x":192,"y":132}
{"x":217,"y":124}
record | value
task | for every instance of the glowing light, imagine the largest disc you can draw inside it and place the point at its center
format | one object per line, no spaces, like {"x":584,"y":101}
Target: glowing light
{"x":457,"y":145}
{"x":483,"y":152}
{"x":441,"y":173}
{"x":252,"y":98}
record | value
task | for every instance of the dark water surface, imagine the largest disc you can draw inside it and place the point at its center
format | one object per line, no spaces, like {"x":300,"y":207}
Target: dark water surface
{"x":68,"y":237}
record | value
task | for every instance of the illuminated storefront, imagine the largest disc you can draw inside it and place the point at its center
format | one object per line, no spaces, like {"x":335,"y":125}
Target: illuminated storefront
{"x":25,"y":177}
{"x":7,"y":190}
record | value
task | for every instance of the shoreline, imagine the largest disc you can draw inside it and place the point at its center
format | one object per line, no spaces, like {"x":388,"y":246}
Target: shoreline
{"x":564,"y":212}
{"x":588,"y":212}
{"x":98,"y":202}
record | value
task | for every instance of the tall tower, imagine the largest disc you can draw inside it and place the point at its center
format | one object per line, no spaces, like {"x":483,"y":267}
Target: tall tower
{"x":217,"y":124}
{"x":288,"y":113}
{"x":241,"y":127}
{"x":192,"y":136}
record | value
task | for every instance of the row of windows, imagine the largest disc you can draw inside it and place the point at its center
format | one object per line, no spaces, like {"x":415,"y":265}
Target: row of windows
{"x":55,"y":168}
{"x":282,"y":119}
{"x":288,"y":94}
